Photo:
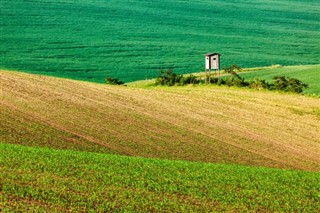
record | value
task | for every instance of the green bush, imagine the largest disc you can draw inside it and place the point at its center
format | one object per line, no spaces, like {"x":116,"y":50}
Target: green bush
{"x":212,"y":80}
{"x":235,"y":79}
{"x":280,"y":83}
{"x":114,"y":81}
{"x":296,"y":86}
{"x":221,"y":82}
{"x":259,"y":84}
{"x":191,"y":79}
{"x":170,"y":78}
{"x":288,"y":84}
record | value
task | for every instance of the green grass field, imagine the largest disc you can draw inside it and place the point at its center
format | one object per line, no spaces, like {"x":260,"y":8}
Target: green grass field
{"x":39,"y":179}
{"x":131,"y":40}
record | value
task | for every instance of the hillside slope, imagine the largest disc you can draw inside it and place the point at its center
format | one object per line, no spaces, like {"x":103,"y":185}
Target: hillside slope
{"x":209,"y":124}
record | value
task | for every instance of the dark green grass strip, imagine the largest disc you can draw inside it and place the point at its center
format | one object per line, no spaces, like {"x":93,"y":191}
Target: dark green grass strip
{"x":41,"y":179}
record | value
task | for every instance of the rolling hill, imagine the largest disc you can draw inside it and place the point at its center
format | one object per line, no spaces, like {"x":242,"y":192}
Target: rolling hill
{"x":193,"y":123}
{"x":130,"y":40}
{"x":79,"y":146}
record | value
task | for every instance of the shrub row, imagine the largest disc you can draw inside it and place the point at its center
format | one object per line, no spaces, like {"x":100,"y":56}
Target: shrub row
{"x":281,"y":83}
{"x":170,"y":78}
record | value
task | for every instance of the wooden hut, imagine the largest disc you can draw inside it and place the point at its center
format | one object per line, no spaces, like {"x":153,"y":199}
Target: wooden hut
{"x":212,"y":61}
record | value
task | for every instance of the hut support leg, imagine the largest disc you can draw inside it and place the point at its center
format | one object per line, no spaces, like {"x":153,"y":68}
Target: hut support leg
{"x":206,"y":76}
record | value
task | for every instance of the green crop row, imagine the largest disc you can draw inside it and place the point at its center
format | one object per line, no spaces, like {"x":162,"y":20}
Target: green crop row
{"x":41,"y":179}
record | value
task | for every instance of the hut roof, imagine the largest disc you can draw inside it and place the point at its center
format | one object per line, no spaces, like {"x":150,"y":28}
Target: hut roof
{"x":210,"y":54}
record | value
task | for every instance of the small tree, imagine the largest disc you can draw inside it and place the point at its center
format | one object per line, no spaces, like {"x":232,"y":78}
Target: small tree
{"x":232,"y":69}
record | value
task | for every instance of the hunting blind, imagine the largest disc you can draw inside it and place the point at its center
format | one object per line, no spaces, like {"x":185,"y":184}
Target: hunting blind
{"x":212,"y":63}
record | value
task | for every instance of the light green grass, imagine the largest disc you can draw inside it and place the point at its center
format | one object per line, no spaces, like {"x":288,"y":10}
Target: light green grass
{"x":42,"y":179}
{"x":130,"y":40}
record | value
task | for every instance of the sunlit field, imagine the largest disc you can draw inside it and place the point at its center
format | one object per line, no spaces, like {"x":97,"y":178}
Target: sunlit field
{"x":69,"y":142}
